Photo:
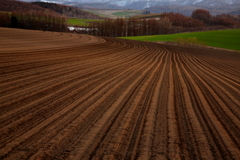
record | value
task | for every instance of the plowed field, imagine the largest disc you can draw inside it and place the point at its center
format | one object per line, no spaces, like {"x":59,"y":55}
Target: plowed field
{"x":69,"y":96}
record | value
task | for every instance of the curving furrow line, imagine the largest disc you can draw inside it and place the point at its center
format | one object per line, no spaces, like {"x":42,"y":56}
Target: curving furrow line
{"x":213,"y":103}
{"x":98,"y":112}
{"x":84,"y":97}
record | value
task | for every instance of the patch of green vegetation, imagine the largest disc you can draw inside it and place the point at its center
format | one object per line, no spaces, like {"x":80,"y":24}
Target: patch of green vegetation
{"x":114,"y":13}
{"x":126,"y":13}
{"x":120,"y":14}
{"x":188,"y":41}
{"x":229,"y":39}
{"x":80,"y":22}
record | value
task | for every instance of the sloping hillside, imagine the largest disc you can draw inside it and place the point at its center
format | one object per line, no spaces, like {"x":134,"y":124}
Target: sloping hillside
{"x":50,"y":8}
{"x":186,"y":10}
{"x":69,"y":97}
{"x":67,"y":10}
{"x":12,"y":5}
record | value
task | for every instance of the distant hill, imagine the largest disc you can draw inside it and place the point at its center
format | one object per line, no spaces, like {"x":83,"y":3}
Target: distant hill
{"x":185,"y":10}
{"x":67,"y":10}
{"x":12,"y":5}
{"x":235,"y":12}
{"x":50,"y":8}
{"x":157,"y":6}
{"x":96,"y":5}
{"x":150,"y":3}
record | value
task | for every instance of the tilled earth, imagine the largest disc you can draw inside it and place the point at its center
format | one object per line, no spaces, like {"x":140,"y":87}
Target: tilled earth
{"x":70,"y":96}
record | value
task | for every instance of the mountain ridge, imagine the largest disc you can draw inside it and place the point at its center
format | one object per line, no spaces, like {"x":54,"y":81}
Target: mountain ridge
{"x":150,"y":2}
{"x":177,"y":2}
{"x":214,"y":6}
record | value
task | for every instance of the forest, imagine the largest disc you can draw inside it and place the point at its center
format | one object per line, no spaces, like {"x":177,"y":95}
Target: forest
{"x":17,"y":6}
{"x":39,"y":15}
{"x":53,"y":17}
{"x":33,"y":20}
{"x":166,"y":23}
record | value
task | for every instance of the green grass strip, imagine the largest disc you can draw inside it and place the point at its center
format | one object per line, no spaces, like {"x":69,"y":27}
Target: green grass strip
{"x":85,"y":22}
{"x":228,"y":39}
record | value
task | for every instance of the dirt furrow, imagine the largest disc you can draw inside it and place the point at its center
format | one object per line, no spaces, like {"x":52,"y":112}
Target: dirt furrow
{"x":120,"y":106}
{"x":69,"y":114}
{"x":173,"y":139}
{"x":95,"y":71}
{"x":214,"y":127}
{"x":199,"y":141}
{"x":225,"y":89}
{"x":71,"y":96}
{"x":222,"y":110}
{"x":187,"y":144}
{"x":159,"y":149}
{"x":93,"y":105}
{"x":144,"y":147}
{"x":66,"y":90}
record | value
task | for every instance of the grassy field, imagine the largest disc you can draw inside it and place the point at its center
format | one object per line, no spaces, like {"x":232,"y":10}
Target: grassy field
{"x":229,"y":39}
{"x":115,"y":13}
{"x":127,"y":13}
{"x":85,"y":22}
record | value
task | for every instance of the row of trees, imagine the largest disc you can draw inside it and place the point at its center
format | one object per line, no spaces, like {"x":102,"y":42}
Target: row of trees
{"x":33,"y":20}
{"x":164,"y":23}
{"x":18,"y":6}
{"x":121,"y":27}
{"x":210,"y":20}
{"x":47,"y":8}
{"x":180,"y":20}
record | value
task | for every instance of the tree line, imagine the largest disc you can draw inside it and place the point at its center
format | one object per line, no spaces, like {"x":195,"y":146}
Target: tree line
{"x":165,"y":23}
{"x":18,"y":6}
{"x":50,"y":8}
{"x":210,"y":20}
{"x":33,"y":20}
{"x":123,"y":27}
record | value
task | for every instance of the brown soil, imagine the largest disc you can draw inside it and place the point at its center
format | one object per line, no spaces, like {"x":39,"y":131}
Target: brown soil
{"x":69,"y":96}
